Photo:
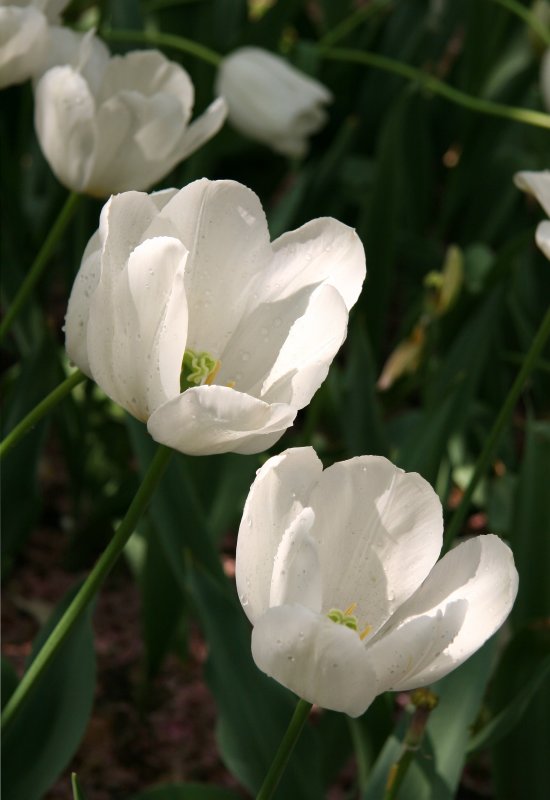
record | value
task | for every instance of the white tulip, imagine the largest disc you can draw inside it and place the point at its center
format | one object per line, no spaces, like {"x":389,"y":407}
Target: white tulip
{"x":24,"y":37}
{"x":337,"y":572}
{"x":271,"y":101}
{"x":108,"y":125}
{"x":538,"y":184}
{"x":187,"y":282}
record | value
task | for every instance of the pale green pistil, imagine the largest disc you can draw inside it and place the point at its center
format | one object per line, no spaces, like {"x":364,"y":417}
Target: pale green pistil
{"x":348,"y":619}
{"x":197,"y":369}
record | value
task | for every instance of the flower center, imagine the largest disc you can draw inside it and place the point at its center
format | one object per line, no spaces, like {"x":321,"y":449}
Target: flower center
{"x":198,"y":369}
{"x":348,"y":619}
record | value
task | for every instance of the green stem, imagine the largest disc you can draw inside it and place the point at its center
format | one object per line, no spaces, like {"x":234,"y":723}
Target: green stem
{"x":275,"y":773}
{"x":45,"y":405}
{"x":347,"y":25}
{"x":527,"y":16}
{"x":165,"y":40}
{"x":37,"y":268}
{"x":522,"y":115}
{"x":492,"y":439}
{"x":398,"y":773}
{"x":91,"y":585}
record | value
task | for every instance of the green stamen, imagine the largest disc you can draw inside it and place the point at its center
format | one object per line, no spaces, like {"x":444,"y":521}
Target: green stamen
{"x":341,"y":618}
{"x":197,"y":369}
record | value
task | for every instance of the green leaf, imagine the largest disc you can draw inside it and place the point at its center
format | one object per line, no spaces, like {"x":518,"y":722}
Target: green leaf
{"x":42,"y":738}
{"x":186,"y":791}
{"x":254,"y":711}
{"x":9,"y":680}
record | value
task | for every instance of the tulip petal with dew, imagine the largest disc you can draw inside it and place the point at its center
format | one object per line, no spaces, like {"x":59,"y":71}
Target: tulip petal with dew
{"x":337,"y":572}
{"x":111,"y":124}
{"x":25,"y":37}
{"x":187,"y":315}
{"x":271,"y":101}
{"x":538,"y":184}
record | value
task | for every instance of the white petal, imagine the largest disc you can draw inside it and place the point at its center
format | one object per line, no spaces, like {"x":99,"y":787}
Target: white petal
{"x":279,"y":493}
{"x":305,"y":357}
{"x":201,"y":129}
{"x":321,"y":251}
{"x":296,"y":574}
{"x":216,"y":419}
{"x":319,"y":660}
{"x":402,"y":655}
{"x":64,"y":122}
{"x":78,"y":309}
{"x":537,"y":184}
{"x":223,"y":226}
{"x":479,"y":573}
{"x":86,"y":53}
{"x":542,"y":237}
{"x":23,"y":43}
{"x":379,"y":531}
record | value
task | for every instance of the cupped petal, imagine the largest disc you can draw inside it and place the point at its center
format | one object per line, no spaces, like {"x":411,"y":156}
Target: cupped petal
{"x":379,"y":531}
{"x":85,"y":52}
{"x":223,"y":226}
{"x":201,"y":129}
{"x":296,"y":574}
{"x":479,"y":573}
{"x":321,"y":251}
{"x":277,"y":496}
{"x":78,"y":309}
{"x":64,"y":120}
{"x":23,"y":43}
{"x":537,"y":184}
{"x":319,"y":660}
{"x":136,"y":354}
{"x":217,"y":419}
{"x":305,"y":357}
{"x":402,"y":655}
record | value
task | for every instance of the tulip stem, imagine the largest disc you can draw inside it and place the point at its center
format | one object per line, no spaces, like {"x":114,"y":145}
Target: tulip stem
{"x":525,"y":116}
{"x":529,"y":362}
{"x":165,"y":40}
{"x":37,"y":268}
{"x":90,"y":586}
{"x":45,"y":405}
{"x":528,"y":17}
{"x":275,"y":773}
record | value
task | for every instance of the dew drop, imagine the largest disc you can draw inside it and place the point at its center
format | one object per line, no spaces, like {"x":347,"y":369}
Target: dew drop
{"x":245,"y":355}
{"x":244,"y":599}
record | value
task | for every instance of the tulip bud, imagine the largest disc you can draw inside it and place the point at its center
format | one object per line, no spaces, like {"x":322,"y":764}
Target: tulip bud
{"x":271,"y":101}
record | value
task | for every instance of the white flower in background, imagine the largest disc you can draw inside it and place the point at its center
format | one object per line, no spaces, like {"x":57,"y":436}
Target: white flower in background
{"x":109,"y":124}
{"x":337,"y":572}
{"x":187,"y":315}
{"x":24,"y":37}
{"x":538,"y":184}
{"x":271,"y":101}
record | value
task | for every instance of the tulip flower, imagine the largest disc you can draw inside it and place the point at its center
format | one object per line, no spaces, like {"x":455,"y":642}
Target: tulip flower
{"x":24,"y":38}
{"x":538,"y":184}
{"x":271,"y":101}
{"x":337,"y":572}
{"x":108,"y":125}
{"x":187,"y":315}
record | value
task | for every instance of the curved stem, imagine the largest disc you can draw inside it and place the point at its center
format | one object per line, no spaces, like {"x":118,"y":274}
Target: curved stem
{"x":525,"y":116}
{"x":91,"y":585}
{"x":165,"y":40}
{"x":45,"y":405}
{"x":37,"y":268}
{"x":275,"y":773}
{"x":491,"y":441}
{"x":528,"y":17}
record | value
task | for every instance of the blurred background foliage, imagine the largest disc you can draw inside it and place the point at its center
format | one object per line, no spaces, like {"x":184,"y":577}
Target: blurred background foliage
{"x":455,"y":292}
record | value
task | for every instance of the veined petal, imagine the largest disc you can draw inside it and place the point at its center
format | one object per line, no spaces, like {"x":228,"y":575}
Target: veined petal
{"x":296,"y":574}
{"x":319,"y":660}
{"x":379,"y":531}
{"x":64,"y":120}
{"x":321,"y":251}
{"x":223,"y":226}
{"x":481,"y":574}
{"x":217,"y":419}
{"x":279,"y":493}
{"x":305,"y":357}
